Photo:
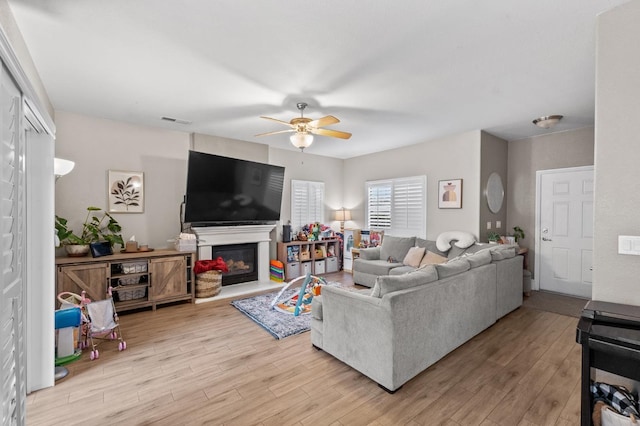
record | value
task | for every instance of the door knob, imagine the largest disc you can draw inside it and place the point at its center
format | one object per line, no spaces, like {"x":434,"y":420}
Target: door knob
{"x":546,"y":239}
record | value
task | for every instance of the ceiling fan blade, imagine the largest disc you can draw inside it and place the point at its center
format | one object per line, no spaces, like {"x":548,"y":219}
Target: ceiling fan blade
{"x":324,"y":121}
{"x":332,"y":133}
{"x":275,"y":133}
{"x":286,"y":123}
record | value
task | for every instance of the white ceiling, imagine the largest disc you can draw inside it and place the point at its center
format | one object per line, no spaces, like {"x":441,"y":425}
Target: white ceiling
{"x":394,"y":72}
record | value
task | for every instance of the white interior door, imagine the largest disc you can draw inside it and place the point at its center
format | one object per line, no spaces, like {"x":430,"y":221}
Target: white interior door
{"x":566,"y":231}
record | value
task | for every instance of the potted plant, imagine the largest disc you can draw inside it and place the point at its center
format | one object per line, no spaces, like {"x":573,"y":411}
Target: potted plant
{"x":493,"y":237}
{"x":96,"y":228}
{"x":518,"y":233}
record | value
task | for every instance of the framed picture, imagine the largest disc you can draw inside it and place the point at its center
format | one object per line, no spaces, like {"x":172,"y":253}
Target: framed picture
{"x":125,"y":192}
{"x":450,"y":194}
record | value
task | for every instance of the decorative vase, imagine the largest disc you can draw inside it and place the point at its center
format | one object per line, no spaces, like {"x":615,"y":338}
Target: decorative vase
{"x":77,"y":250}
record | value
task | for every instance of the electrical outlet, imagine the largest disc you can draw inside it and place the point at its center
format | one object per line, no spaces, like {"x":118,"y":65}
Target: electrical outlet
{"x":488,"y":225}
{"x":498,"y":224}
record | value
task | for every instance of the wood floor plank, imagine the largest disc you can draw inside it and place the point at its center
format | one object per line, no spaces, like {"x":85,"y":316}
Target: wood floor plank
{"x":210,"y":364}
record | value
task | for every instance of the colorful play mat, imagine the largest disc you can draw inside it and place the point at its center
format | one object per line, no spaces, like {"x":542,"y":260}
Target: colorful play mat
{"x":299,"y":303}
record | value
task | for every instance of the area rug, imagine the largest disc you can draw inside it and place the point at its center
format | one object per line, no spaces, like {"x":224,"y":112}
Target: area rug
{"x":278,"y":324}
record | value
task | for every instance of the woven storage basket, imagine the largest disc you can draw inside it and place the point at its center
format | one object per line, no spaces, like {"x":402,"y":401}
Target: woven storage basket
{"x":138,"y":293}
{"x":208,"y":284}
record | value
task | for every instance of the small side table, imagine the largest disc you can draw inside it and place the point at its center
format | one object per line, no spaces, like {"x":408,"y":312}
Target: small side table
{"x":524,"y":252}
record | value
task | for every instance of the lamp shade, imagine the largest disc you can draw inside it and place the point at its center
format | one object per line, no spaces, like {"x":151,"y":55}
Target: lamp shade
{"x":301,"y":140}
{"x":62,"y":167}
{"x":342,"y":215}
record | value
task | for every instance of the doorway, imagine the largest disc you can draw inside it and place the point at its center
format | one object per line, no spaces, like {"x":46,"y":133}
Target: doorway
{"x":564,"y":230}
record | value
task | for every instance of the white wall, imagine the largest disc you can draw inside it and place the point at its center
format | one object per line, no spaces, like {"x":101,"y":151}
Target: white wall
{"x":617,"y":154}
{"x":451,"y":157}
{"x":304,"y":166}
{"x":233,"y":148}
{"x":98,"y":145}
{"x":11,"y":30}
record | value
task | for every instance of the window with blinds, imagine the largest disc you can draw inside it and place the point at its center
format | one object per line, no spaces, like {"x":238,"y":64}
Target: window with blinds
{"x":307,"y":203}
{"x":399,"y":206}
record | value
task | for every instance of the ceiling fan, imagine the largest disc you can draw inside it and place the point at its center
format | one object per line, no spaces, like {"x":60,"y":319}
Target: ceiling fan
{"x":305,"y":128}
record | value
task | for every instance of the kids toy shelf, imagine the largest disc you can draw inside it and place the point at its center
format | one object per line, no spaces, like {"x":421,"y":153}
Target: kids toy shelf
{"x":138,"y":280}
{"x":309,"y":257}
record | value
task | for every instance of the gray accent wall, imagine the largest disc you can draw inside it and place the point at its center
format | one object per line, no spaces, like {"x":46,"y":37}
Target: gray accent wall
{"x":493,"y":158}
{"x":616,"y":277}
{"x":526,"y":156}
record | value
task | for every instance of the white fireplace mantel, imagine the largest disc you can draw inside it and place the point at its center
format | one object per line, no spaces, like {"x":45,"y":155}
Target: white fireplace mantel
{"x":242,"y":234}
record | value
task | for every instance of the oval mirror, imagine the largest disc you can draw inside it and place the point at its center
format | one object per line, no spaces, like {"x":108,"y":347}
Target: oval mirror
{"x":494,"y":192}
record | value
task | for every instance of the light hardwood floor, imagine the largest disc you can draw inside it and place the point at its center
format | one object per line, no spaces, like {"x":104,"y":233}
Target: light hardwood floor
{"x":210,"y":364}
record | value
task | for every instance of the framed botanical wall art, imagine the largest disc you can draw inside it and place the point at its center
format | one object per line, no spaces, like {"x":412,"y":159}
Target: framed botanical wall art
{"x":450,"y":194}
{"x":125,"y":192}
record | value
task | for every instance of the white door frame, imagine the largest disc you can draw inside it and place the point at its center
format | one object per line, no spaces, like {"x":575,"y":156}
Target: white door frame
{"x":535,"y":283}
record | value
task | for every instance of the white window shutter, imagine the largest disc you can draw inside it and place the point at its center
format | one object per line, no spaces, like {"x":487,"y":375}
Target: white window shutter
{"x":398,"y":206}
{"x":379,"y":205}
{"x":307,"y":203}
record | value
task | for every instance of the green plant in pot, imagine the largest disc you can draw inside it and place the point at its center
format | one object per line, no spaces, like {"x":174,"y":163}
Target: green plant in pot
{"x":97,"y":228}
{"x":493,"y":237}
{"x":518,"y":233}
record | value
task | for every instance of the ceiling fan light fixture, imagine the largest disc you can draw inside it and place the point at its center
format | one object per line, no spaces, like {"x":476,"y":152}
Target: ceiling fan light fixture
{"x":547,"y":121}
{"x":301,"y":140}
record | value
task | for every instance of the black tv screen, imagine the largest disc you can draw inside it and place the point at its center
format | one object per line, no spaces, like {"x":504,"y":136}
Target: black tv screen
{"x":225,"y":191}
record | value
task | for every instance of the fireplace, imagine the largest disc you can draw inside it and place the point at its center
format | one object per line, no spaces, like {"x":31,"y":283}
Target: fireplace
{"x":241,"y":261}
{"x":217,"y":236}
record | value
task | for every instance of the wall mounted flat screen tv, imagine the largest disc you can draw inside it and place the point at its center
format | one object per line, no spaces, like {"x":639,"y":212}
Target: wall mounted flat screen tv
{"x":230,"y":191}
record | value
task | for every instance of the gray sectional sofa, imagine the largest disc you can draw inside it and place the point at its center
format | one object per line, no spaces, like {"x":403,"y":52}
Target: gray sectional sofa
{"x":408,"y":321}
{"x":387,"y":258}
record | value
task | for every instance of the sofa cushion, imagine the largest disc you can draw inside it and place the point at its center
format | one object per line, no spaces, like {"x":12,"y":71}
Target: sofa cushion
{"x":479,"y":259}
{"x":455,"y":252}
{"x":454,"y":267}
{"x":431,"y":258}
{"x":464,"y":239}
{"x":371,"y":253}
{"x":501,"y":252}
{"x":395,"y":248}
{"x":430,"y":245}
{"x":401,"y":270}
{"x":390,"y":283}
{"x":479,"y":247}
{"x":413,"y":257}
{"x":374,"y":267}
{"x":316,"y":307}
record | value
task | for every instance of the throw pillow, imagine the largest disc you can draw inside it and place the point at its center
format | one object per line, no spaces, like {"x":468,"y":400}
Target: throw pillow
{"x":431,"y":258}
{"x":413,"y":257}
